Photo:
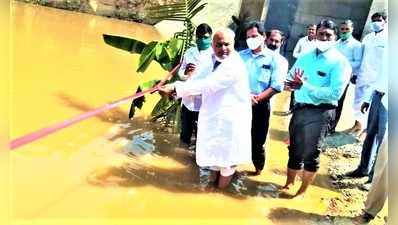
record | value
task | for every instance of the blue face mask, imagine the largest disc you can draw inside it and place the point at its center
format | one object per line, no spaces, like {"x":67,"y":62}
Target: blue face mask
{"x":377,"y":26}
{"x":203,"y":43}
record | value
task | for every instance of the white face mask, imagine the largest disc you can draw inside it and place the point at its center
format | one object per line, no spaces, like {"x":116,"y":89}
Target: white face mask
{"x":323,"y":46}
{"x":377,"y":26}
{"x":254,"y":43}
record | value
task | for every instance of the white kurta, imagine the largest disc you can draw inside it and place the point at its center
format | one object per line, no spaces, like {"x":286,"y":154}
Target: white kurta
{"x":374,"y":56}
{"x":224,"y":123}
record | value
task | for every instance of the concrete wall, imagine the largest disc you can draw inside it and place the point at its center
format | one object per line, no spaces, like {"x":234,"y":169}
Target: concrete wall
{"x":292,"y":17}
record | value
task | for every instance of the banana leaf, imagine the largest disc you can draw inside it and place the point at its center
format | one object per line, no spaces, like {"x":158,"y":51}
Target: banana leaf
{"x":127,"y":44}
{"x":138,"y":102}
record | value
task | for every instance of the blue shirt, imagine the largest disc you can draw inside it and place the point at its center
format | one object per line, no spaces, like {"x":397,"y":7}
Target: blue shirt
{"x":352,"y":50}
{"x":325,"y":77}
{"x":264,"y":70}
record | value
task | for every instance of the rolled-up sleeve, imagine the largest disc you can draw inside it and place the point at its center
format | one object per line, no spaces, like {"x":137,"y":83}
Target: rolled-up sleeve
{"x":278,"y":75}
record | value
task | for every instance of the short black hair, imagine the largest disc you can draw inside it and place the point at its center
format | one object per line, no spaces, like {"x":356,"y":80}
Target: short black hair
{"x":204,"y":28}
{"x":311,"y":25}
{"x":379,"y":14}
{"x":254,"y":24}
{"x":327,"y":24}
{"x":348,"y":23}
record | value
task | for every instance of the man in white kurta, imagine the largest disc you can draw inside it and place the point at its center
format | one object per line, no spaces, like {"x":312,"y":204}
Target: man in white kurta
{"x":224,"y":125}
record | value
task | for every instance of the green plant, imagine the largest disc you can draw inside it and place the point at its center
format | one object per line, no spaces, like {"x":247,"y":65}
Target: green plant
{"x":168,"y":53}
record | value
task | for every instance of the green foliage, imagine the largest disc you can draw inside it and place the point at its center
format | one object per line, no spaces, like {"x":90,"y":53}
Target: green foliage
{"x":168,"y":54}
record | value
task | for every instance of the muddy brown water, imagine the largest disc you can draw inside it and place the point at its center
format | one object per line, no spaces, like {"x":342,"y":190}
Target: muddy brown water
{"x":82,"y":174}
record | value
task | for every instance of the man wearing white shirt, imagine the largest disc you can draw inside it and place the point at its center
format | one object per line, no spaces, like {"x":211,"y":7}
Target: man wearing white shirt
{"x":274,"y":41}
{"x":352,"y":50}
{"x":224,"y":123}
{"x":307,"y":43}
{"x":191,"y":104}
{"x":373,"y":71}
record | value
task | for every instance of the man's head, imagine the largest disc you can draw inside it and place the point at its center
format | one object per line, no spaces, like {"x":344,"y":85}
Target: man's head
{"x":203,"y":36}
{"x":326,"y":32}
{"x":274,"y":39}
{"x":223,"y":43}
{"x":379,"y":21}
{"x":311,"y":31}
{"x":254,"y":36}
{"x":346,"y":29}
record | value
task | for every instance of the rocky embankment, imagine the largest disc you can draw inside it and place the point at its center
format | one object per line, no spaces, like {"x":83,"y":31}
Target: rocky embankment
{"x":132,"y":10}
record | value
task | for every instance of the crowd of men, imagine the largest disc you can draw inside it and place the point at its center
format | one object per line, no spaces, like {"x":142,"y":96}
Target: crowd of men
{"x":226,"y":100}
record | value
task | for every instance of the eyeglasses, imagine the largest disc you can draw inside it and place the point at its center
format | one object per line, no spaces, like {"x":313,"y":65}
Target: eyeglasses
{"x":219,"y":45}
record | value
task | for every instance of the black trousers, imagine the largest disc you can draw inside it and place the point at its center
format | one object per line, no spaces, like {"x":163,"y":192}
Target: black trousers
{"x":189,"y":120}
{"x":307,"y":128}
{"x":260,"y":124}
{"x":339,"y":109}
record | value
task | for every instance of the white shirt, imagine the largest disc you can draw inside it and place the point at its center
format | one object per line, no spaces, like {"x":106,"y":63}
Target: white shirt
{"x":352,"y":50}
{"x":224,"y":124}
{"x":194,"y":56}
{"x":373,"y":70}
{"x":303,"y":46}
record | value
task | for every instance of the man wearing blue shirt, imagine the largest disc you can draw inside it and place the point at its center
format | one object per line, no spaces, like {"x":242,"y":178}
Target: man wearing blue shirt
{"x":318,"y":79}
{"x":265,"y":79}
{"x":352,"y":50}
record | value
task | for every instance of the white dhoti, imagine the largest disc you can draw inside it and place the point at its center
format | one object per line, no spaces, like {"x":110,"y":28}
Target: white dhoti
{"x":359,"y":98}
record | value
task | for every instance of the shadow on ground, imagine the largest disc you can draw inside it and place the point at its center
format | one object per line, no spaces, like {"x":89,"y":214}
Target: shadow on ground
{"x":285,"y":216}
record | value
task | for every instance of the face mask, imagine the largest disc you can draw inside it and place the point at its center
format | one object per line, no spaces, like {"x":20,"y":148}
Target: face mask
{"x":345,"y":35}
{"x":203,"y":43}
{"x":377,"y":26}
{"x":323,"y":46}
{"x":254,"y":43}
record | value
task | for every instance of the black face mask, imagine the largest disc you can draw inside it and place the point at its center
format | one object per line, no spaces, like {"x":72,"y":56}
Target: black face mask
{"x":272,"y":47}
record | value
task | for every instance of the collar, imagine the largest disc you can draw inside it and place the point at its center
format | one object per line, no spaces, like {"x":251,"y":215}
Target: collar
{"x":307,"y":38}
{"x":264,"y":52}
{"x":330,"y":53}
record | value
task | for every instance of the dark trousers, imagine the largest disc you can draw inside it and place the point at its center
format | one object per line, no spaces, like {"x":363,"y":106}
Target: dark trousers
{"x":307,"y":128}
{"x":291,"y":103}
{"x":339,"y":109}
{"x":189,"y":120}
{"x":260,"y":124}
{"x":377,"y":122}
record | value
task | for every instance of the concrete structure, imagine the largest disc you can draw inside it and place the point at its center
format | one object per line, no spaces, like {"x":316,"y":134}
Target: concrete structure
{"x":292,"y":16}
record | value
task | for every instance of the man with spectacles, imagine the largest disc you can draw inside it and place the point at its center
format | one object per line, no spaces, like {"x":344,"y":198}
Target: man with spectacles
{"x":225,"y":115}
{"x":318,"y":79}
{"x":191,"y":104}
{"x":266,"y":75}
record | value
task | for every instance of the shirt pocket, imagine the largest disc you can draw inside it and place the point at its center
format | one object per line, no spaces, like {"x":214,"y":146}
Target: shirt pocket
{"x":264,"y":72}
